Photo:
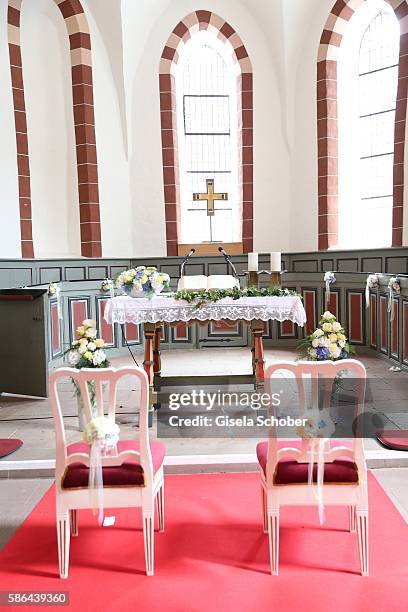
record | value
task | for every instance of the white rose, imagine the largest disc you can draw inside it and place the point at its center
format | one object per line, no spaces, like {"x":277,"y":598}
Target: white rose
{"x":89,"y":323}
{"x":318,"y":333}
{"x":315,"y":343}
{"x":73,"y":357}
{"x":327,"y":315}
{"x":99,"y":357}
{"x":91,"y":346}
{"x":336,"y":353}
{"x":90,"y":333}
{"x":82,"y":349}
{"x":336,"y":326}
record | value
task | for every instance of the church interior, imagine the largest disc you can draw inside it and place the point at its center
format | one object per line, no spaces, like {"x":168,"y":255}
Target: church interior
{"x":204,"y":304}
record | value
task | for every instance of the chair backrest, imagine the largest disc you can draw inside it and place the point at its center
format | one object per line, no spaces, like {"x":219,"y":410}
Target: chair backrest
{"x":320,"y":376}
{"x":105,"y":381}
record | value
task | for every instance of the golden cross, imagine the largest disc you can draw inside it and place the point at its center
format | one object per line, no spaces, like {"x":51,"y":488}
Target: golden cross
{"x":210,"y":197}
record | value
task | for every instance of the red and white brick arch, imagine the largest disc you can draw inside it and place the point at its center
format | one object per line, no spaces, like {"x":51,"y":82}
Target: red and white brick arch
{"x":205,"y":20}
{"x":84,"y":122}
{"x":327,"y":129}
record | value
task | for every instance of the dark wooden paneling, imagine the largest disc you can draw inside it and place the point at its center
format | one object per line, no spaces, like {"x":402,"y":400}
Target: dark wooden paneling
{"x":97,"y":272}
{"x":50,"y":275}
{"x":73,"y":274}
{"x":396,"y":265}
{"x":371,"y":264}
{"x":15,"y":277}
{"x":305,"y":265}
{"x":347,"y":265}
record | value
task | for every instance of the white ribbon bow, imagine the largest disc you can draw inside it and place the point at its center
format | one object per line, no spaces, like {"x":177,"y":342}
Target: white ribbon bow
{"x":372,"y":283}
{"x":329,"y":279}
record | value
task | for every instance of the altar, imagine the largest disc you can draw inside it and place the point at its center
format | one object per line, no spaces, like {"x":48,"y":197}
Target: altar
{"x":153,"y":313}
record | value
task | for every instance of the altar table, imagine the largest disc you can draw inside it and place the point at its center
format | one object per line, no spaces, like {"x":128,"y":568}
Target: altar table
{"x":254,"y":311}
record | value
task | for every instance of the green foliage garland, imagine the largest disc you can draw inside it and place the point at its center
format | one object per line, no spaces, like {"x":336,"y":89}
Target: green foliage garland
{"x":203,"y":297}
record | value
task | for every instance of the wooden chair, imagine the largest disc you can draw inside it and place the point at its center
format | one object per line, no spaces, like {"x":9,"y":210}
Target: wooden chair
{"x":132,"y":478}
{"x":284,"y":463}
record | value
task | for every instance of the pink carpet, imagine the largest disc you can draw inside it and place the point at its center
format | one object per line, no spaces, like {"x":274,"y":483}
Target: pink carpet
{"x":213,"y":556}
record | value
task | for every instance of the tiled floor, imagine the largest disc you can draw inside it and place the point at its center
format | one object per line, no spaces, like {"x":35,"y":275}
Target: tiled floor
{"x":31,"y":421}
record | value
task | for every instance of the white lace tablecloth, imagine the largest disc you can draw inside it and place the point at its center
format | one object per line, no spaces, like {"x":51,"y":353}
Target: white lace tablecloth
{"x":161,"y":309}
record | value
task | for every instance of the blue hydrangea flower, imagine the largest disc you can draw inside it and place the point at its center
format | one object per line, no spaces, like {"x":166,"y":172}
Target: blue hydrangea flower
{"x":322,"y":353}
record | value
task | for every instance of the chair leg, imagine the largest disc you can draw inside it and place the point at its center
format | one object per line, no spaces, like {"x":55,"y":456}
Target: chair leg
{"x":352,"y":518}
{"x":63,"y":536}
{"x":148,"y":536}
{"x":73,"y":519}
{"x":273,"y":531}
{"x":362,"y":531}
{"x":160,"y":507}
{"x":264,"y":510}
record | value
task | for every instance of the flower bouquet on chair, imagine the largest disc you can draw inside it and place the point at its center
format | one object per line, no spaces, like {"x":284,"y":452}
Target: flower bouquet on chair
{"x":142,"y":281}
{"x":327,"y":342}
{"x":87,"y":351}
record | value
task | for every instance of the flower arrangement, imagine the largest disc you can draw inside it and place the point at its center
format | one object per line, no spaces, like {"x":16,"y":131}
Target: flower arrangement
{"x":394,"y":284}
{"x":371,"y":283}
{"x":328,"y":341}
{"x":107,"y":286}
{"x":87,"y":350}
{"x":103,"y":431}
{"x":145,"y":280}
{"x":53,"y":289}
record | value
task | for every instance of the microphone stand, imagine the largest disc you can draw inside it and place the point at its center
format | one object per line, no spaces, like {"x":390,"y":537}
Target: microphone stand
{"x":228,"y":260}
{"x":185,"y":260}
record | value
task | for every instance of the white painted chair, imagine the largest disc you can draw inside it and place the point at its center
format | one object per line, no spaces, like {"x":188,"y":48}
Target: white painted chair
{"x":132,"y":478}
{"x":284,"y":463}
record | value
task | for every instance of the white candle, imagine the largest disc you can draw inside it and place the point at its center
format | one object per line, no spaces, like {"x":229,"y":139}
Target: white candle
{"x":276,"y":265}
{"x":253,"y":262}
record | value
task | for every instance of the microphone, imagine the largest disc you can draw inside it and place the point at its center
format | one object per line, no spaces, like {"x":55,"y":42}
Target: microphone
{"x":190,"y":254}
{"x":228,"y":260}
{"x":186,"y":258}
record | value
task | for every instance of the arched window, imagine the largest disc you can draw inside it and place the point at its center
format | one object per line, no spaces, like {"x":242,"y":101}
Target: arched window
{"x":361,"y":112}
{"x":378,"y":80}
{"x":206,"y":95}
{"x":368,"y":80}
{"x":206,"y":106}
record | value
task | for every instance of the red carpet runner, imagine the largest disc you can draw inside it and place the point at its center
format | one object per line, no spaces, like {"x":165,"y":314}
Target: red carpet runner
{"x":213,"y":556}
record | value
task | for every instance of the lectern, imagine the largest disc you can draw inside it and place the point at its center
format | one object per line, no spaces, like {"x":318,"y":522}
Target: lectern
{"x":23,"y":344}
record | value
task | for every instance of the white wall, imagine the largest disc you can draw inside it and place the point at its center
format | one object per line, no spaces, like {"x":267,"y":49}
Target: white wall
{"x":305,"y":28}
{"x":146,"y":28}
{"x":104,"y":20}
{"x":282,"y":39}
{"x":10,"y":239}
{"x":51,"y":138}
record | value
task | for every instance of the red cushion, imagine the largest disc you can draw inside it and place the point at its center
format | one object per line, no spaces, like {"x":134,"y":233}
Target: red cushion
{"x":127,"y":474}
{"x":289,"y":471}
